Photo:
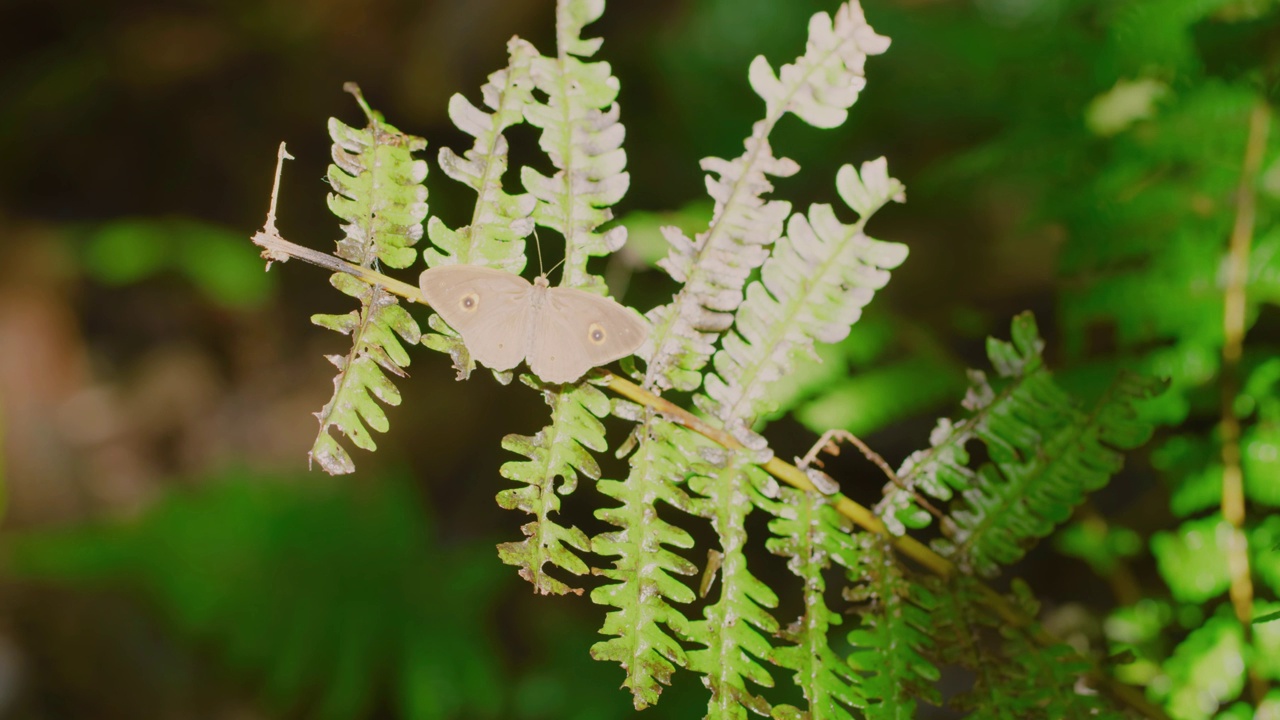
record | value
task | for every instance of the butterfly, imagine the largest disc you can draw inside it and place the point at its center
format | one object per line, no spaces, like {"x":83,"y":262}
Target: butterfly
{"x":503,"y":319}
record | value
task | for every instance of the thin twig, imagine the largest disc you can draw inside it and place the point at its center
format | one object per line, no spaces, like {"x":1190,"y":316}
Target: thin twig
{"x":876,"y":459}
{"x":270,"y":226}
{"x":1233,"y":325}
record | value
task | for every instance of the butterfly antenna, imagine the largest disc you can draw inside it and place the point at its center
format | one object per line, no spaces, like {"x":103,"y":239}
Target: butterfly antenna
{"x":537,"y":243}
{"x":553,"y":269}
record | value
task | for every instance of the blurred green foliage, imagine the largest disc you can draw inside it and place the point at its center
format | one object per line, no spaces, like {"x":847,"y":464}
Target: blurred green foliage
{"x":335,"y":598}
{"x":313,"y":589}
{"x":212,"y":258}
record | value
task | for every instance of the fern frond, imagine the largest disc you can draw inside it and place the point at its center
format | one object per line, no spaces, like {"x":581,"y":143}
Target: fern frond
{"x":965,"y":634}
{"x":559,"y":451}
{"x":818,"y":88}
{"x":1037,"y":681}
{"x":644,"y":590}
{"x":1045,"y":455}
{"x":379,"y":193}
{"x":500,"y":222}
{"x":583,"y":140}
{"x":812,"y":287}
{"x":373,"y":329}
{"x":893,"y":642}
{"x":811,"y":534}
{"x":1014,"y":504}
{"x":821,"y":85}
{"x":582,"y":136}
{"x":735,"y":628}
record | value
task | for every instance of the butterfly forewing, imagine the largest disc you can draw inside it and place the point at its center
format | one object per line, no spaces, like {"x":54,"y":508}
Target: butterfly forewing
{"x":490,"y":309}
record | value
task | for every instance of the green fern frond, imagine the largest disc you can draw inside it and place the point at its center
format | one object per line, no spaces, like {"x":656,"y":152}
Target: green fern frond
{"x":379,"y":193}
{"x":1016,"y":503}
{"x":1014,"y":677}
{"x":1045,"y":455}
{"x":811,"y":534}
{"x":559,"y":451}
{"x":818,"y":88}
{"x":1037,"y":681}
{"x":892,"y":645}
{"x":942,"y":469}
{"x":735,"y":628}
{"x":644,"y":590}
{"x":500,"y":222}
{"x":812,"y":287}
{"x":582,"y":136}
{"x":373,"y":329}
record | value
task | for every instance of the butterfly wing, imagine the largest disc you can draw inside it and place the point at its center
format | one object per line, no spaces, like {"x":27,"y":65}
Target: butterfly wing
{"x":489,"y":308}
{"x":575,"y":331}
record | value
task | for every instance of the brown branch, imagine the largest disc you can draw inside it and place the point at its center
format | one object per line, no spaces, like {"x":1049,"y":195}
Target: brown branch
{"x":1235,"y":308}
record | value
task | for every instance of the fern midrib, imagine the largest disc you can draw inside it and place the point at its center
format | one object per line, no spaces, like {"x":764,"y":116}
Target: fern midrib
{"x":489,"y":187}
{"x":357,"y":344}
{"x":371,"y":251}
{"x":778,"y":344}
{"x":1017,"y":490}
{"x":814,"y":622}
{"x":547,"y":491}
{"x":572,"y":247}
{"x":729,"y":522}
{"x":662,"y":337}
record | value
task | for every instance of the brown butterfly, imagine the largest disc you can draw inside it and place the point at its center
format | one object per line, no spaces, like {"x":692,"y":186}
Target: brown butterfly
{"x":503,"y":319}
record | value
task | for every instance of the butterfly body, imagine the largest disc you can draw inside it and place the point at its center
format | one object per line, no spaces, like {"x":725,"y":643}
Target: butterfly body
{"x":503,"y":319}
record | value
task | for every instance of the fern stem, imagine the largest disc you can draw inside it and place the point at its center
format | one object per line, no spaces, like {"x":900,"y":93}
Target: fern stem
{"x":277,"y":249}
{"x":1234,"y":323}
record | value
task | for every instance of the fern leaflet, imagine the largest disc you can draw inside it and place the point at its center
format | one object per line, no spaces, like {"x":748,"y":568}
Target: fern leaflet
{"x":643,"y":589}
{"x":558,"y":451}
{"x":811,"y":534}
{"x":499,"y":222}
{"x":379,"y":193}
{"x":735,"y":628}
{"x":819,"y":88}
{"x":813,"y":286}
{"x":892,"y":645}
{"x":582,"y":136}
